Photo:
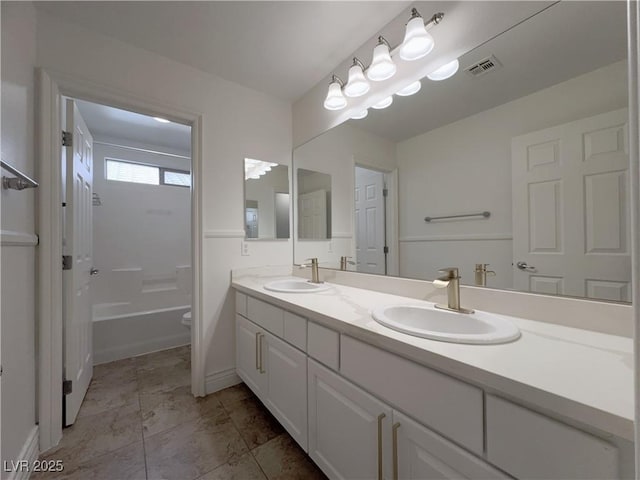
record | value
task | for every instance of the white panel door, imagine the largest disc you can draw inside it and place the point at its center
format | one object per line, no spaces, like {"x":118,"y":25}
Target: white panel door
{"x":369,"y":221}
{"x":286,"y":397}
{"x":313,"y":214}
{"x":348,"y":428}
{"x":249,"y":355}
{"x":425,"y":455}
{"x":78,"y":244}
{"x":571,"y":223}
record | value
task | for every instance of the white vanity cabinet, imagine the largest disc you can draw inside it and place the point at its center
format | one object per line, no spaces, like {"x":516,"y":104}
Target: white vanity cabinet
{"x":421,"y":454}
{"x":363,"y":412}
{"x":348,"y":428}
{"x":276,"y":372}
{"x":248,"y":355}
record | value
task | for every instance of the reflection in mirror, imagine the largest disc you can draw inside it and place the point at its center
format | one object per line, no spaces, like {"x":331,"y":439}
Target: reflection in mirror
{"x":266,"y":200}
{"x":533,"y":130}
{"x":314,"y":205}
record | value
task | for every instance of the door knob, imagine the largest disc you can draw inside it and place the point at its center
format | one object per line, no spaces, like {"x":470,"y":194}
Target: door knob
{"x":524,"y":266}
{"x":94,"y":271}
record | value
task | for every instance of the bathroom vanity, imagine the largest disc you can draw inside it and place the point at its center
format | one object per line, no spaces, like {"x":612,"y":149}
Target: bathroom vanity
{"x":366,"y":401}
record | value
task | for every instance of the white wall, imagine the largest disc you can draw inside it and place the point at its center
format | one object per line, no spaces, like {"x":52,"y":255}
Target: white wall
{"x":466,"y":167}
{"x":18,"y":415}
{"x":237,"y":122}
{"x":138,"y":226}
{"x":336,"y":153}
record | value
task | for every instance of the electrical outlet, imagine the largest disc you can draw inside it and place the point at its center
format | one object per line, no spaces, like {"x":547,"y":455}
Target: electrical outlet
{"x":244,"y":248}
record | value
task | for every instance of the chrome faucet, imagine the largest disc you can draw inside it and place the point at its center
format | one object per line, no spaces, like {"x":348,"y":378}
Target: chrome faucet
{"x":344,"y":261}
{"x":451,"y":281}
{"x":481,"y":274}
{"x":315,"y":274}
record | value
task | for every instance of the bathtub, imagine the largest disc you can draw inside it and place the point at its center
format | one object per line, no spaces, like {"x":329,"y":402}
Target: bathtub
{"x":125,"y":329}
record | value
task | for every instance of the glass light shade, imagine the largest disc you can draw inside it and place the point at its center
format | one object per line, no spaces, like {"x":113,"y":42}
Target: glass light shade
{"x":335,"y":99}
{"x":382,"y":66}
{"x":383,"y":103}
{"x":444,"y":71}
{"x":410,"y":89}
{"x":360,"y":115}
{"x":417,"y":41}
{"x":357,"y":84}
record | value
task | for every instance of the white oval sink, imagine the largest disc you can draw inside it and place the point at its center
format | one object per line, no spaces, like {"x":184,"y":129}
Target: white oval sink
{"x":429,"y":322}
{"x":296,"y":286}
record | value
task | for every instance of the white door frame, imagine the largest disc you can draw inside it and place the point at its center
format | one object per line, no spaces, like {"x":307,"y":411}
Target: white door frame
{"x":50,"y":85}
{"x":391,"y":181}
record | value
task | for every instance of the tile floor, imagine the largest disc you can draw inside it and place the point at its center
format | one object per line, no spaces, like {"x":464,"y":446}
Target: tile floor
{"x":140,"y":421}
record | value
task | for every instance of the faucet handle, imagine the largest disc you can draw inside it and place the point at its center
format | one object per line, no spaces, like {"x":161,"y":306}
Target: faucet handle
{"x":452,"y":272}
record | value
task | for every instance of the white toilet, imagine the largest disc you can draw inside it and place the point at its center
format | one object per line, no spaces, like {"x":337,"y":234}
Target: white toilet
{"x":186,"y":320}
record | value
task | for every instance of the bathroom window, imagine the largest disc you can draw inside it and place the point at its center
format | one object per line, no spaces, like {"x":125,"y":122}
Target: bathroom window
{"x":178,"y":178}
{"x":124,"y":171}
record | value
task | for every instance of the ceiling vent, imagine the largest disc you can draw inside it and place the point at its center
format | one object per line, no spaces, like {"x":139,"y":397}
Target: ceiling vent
{"x":483,"y":66}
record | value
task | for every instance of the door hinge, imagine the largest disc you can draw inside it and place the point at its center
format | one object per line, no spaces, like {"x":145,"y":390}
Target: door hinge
{"x":67,"y":139}
{"x":67,"y":387}
{"x":385,"y":250}
{"x":67,"y":262}
{"x":385,"y":192}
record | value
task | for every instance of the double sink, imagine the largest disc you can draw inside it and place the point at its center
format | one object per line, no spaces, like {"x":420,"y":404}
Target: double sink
{"x":424,"y":319}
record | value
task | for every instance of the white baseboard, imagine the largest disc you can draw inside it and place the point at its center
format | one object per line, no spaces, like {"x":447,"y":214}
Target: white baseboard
{"x":220,"y":380}
{"x":29,"y":453}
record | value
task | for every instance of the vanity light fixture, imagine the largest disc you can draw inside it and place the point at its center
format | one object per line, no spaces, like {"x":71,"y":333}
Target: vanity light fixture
{"x":383,"y":103}
{"x":360,"y":115}
{"x":446,"y":71}
{"x":417,"y":41}
{"x":357,"y":85}
{"x":335,"y":99}
{"x":254,"y":169}
{"x":410,"y":89}
{"x":382,"y":66}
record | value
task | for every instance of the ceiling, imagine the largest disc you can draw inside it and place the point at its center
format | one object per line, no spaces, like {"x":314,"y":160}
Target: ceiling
{"x":282,"y":48}
{"x":566,"y":40}
{"x":113,"y":124}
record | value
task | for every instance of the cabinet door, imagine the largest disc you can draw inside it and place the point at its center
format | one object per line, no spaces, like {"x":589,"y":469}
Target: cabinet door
{"x":249,"y":346}
{"x":420,"y":454}
{"x":348,"y":428}
{"x":286,"y":396}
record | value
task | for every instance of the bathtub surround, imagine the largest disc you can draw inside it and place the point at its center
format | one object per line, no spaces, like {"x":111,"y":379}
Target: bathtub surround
{"x":142,"y":247}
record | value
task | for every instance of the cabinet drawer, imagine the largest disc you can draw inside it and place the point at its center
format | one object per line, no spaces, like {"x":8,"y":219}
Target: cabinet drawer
{"x":527,"y":444}
{"x":323,"y":344}
{"x":241,"y":304}
{"x":295,"y":330}
{"x":267,"y":316}
{"x":449,"y":406}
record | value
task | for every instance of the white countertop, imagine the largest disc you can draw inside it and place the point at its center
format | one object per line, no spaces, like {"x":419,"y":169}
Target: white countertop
{"x":579,"y":374}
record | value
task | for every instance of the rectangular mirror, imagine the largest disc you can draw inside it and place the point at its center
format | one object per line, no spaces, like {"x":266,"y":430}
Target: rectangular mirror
{"x":314,"y":205}
{"x":518,"y":161}
{"x":266,"y":200}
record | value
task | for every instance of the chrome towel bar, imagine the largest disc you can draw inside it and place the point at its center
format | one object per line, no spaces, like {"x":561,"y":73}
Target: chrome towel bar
{"x":484,"y":214}
{"x":19,"y":182}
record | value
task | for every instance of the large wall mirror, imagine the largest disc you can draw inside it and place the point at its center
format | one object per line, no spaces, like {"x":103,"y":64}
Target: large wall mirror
{"x":266,"y":200}
{"x":518,"y":161}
